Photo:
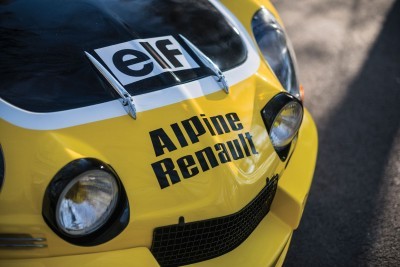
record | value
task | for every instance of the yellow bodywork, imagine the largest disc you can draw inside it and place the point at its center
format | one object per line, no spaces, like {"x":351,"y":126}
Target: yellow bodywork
{"x":33,"y":157}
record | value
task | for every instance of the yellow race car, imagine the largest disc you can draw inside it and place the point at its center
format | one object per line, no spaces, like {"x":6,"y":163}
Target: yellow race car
{"x":150,"y":133}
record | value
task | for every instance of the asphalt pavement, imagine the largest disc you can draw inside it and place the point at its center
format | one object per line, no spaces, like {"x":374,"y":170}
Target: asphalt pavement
{"x":348,"y":53}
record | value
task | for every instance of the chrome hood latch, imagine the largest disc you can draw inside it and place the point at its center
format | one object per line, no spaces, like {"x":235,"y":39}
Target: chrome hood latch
{"x":217,"y":73}
{"x":127,"y":100}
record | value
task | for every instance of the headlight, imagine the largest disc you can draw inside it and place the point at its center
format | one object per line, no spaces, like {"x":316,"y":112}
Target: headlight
{"x":286,"y":124}
{"x":85,"y":203}
{"x":282,"y":117}
{"x":276,"y":49}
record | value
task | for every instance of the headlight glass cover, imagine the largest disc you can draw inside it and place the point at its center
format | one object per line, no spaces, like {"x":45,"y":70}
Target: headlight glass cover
{"x":286,"y":124}
{"x":282,"y":117}
{"x":276,"y":49}
{"x":87,"y":202}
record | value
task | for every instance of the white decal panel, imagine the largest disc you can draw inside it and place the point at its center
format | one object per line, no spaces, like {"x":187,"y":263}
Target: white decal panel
{"x":144,"y":58}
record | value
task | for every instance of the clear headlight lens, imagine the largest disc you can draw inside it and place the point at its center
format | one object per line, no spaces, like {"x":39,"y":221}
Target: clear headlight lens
{"x":286,"y":124}
{"x":87,"y":202}
{"x":276,"y":49}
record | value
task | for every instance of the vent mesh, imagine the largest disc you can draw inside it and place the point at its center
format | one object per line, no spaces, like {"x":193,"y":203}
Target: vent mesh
{"x":186,"y":243}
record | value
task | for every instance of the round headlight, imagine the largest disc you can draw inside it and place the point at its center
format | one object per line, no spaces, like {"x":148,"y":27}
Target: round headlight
{"x":286,"y":124}
{"x":282,"y":117}
{"x":87,"y":202}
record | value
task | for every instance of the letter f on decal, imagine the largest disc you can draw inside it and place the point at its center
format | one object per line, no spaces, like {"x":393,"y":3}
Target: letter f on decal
{"x":170,"y":54}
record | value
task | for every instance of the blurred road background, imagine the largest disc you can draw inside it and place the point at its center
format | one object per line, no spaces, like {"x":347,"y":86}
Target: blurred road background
{"x":348,"y":53}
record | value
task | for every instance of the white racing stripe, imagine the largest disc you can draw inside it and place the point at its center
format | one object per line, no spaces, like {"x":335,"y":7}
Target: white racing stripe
{"x":149,"y":101}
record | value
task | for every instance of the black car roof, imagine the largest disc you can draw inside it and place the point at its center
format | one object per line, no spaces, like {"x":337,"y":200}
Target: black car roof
{"x":43,"y":67}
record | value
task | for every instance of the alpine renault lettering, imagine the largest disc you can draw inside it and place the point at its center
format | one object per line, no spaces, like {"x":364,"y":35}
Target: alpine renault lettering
{"x":150,"y":133}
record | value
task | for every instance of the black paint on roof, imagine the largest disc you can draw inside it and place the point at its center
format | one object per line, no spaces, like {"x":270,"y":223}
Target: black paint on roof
{"x":43,"y":67}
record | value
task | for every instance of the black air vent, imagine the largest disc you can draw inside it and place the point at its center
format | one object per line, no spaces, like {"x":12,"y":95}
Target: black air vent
{"x":20,"y":241}
{"x":182,"y":244}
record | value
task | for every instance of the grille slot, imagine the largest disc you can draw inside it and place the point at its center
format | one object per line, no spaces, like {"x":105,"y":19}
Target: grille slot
{"x":2,"y":168}
{"x":182,"y":244}
{"x":14,"y":241}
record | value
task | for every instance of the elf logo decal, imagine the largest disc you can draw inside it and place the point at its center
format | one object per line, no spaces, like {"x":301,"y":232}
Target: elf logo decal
{"x":143,"y":58}
{"x":171,"y":171}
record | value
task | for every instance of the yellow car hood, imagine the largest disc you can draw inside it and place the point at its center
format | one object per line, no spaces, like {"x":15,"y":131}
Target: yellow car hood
{"x":238,"y":158}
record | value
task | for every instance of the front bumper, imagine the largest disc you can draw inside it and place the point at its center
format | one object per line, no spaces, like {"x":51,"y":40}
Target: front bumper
{"x":266,"y":246}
